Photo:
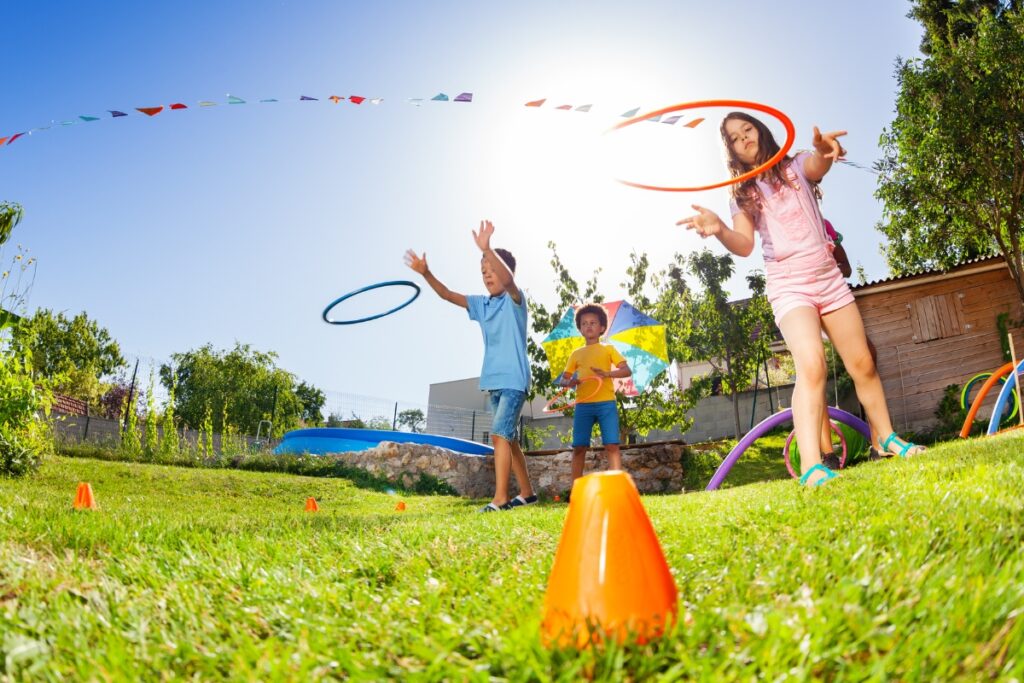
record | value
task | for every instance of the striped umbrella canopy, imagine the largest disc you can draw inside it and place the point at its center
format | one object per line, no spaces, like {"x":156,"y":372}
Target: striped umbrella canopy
{"x":638,"y":337}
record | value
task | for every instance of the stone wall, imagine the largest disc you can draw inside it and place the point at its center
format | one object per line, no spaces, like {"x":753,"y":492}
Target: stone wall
{"x":655,"y":469}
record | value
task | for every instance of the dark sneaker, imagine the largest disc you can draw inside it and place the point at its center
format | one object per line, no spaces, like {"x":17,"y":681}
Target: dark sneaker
{"x":830,"y":460}
{"x":519,"y":501}
{"x":491,"y":507}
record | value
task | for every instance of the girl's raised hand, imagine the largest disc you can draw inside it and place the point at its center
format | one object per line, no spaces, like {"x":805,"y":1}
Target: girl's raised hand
{"x":828,"y":145}
{"x":417,"y":263}
{"x":706,"y":222}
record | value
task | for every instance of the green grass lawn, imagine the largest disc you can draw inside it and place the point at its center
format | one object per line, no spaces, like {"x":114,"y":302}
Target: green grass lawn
{"x":897,"y":570}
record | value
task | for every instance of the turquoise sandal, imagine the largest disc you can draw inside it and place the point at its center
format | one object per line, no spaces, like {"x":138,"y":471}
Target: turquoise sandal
{"x":904,"y":446}
{"x":829,"y":474}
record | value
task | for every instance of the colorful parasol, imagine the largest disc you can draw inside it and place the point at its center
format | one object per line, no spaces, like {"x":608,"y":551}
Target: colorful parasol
{"x":638,"y":337}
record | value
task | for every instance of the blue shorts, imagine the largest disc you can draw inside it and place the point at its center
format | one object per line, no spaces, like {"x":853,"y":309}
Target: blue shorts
{"x":604,"y":413}
{"x":506,"y":404}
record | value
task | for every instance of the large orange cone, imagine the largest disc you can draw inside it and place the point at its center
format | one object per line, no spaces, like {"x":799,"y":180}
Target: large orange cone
{"x":311,"y":505}
{"x":610,"y":578}
{"x":83,"y":497}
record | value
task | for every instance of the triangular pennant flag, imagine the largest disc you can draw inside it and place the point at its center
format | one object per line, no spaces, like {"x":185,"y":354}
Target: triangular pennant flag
{"x":307,"y":97}
{"x":89,"y":118}
{"x":14,"y":137}
{"x":536,"y":103}
{"x":565,"y":107}
{"x":335,"y":99}
{"x":207,"y":103}
{"x":68,"y":123}
{"x":376,"y":100}
{"x":235,"y":100}
{"x":115,"y":113}
{"x":584,"y":107}
{"x":356,"y":99}
{"x":416,"y":101}
{"x":655,"y":119}
{"x":150,"y":111}
{"x":694,"y":123}
{"x":631,"y":113}
{"x":178,"y":105}
{"x":269,"y":99}
{"x":672,"y":119}
{"x":2,"y":140}
{"x":41,"y":128}
{"x":439,"y":97}
{"x":465,"y":97}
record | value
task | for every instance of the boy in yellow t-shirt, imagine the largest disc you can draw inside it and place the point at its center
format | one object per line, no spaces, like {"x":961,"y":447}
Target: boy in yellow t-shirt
{"x":600,"y":360}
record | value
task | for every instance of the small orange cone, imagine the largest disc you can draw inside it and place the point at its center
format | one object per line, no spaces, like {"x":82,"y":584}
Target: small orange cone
{"x":610,"y":577}
{"x":311,"y":505}
{"x":83,"y":497}
{"x":401,"y":506}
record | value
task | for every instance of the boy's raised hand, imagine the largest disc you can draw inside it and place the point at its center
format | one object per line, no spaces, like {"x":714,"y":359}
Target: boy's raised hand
{"x":483,"y":238}
{"x":417,"y":263}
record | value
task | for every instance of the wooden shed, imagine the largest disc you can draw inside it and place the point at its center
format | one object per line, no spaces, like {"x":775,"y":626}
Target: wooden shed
{"x":937,"y":328}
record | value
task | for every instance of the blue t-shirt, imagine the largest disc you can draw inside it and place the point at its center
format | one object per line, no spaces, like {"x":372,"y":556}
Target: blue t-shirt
{"x":503,"y":324}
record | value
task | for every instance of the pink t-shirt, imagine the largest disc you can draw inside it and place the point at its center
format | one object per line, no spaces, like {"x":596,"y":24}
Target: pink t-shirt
{"x":790,"y":224}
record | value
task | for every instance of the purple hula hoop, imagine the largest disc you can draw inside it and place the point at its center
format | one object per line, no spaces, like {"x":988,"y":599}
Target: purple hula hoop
{"x":770,"y":423}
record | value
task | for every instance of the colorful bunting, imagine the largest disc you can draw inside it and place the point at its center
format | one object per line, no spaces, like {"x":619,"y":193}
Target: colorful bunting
{"x":115,"y":113}
{"x":584,"y":107}
{"x":207,"y":103}
{"x":307,"y":97}
{"x":178,"y":105}
{"x":356,"y":99}
{"x":68,"y":123}
{"x":631,"y":113}
{"x":465,"y":97}
{"x":335,"y":98}
{"x":235,"y":100}
{"x":654,"y":119}
{"x":672,"y":119}
{"x":376,"y":100}
{"x":89,"y":118}
{"x":150,"y":111}
{"x":536,"y":103}
{"x":439,"y":97}
{"x":565,"y":107}
{"x":269,"y":99}
{"x":2,"y":141}
{"x":14,"y":137}
{"x":694,"y":123}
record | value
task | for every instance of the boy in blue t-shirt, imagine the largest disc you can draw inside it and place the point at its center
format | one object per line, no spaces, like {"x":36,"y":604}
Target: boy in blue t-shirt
{"x":506,"y":370}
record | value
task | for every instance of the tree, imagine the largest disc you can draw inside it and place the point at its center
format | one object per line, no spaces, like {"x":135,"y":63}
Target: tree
{"x":733,"y":337}
{"x":663,"y":405}
{"x":312,"y":400}
{"x":952,"y":174}
{"x":412,"y":418}
{"x":243,"y":384}
{"x":76,"y":352}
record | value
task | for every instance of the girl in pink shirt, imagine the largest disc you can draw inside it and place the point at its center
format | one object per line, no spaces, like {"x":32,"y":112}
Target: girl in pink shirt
{"x":806,"y":290}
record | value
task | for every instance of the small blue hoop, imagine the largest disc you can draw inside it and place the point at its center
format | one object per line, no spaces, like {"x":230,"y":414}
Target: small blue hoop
{"x":391,"y":283}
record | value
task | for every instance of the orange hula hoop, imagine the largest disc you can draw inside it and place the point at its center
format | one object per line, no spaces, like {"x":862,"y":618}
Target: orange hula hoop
{"x":572,"y":404}
{"x":742,"y":104}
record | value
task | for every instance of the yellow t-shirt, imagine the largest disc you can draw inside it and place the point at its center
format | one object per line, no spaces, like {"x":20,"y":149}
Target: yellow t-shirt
{"x":602,"y":357}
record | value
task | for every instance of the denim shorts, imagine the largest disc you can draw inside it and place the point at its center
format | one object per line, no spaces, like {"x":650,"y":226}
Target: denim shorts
{"x":506,"y":404}
{"x":605,"y":413}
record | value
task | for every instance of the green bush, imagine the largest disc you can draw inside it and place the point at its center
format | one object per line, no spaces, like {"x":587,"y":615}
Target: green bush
{"x":24,"y":438}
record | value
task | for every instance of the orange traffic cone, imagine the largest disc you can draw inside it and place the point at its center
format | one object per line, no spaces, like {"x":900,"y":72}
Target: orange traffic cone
{"x":83,"y":497}
{"x":311,"y":505}
{"x":401,"y":506}
{"x":610,"y":578}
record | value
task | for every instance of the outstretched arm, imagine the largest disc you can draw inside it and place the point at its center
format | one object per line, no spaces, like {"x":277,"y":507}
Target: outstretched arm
{"x":419,"y":264}
{"x":827,"y":151}
{"x":483,"y":240}
{"x":738,"y":239}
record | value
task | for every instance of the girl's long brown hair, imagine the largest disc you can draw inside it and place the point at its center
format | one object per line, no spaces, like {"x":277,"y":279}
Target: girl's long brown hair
{"x":747,"y":194}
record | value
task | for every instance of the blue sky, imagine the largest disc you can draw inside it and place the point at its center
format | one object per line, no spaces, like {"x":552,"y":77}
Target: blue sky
{"x":241,"y":222}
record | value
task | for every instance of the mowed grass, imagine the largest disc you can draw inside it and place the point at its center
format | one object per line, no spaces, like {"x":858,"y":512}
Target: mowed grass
{"x":897,"y":570}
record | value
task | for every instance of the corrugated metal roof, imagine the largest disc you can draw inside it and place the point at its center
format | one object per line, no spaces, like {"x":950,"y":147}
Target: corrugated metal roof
{"x":923,"y":273}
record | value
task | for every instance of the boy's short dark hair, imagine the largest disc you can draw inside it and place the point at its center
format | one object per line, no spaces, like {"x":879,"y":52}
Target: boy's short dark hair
{"x":602,"y":315}
{"x":506,"y":256}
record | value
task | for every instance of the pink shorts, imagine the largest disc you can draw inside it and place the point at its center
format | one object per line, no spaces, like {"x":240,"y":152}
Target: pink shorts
{"x":820,"y":286}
